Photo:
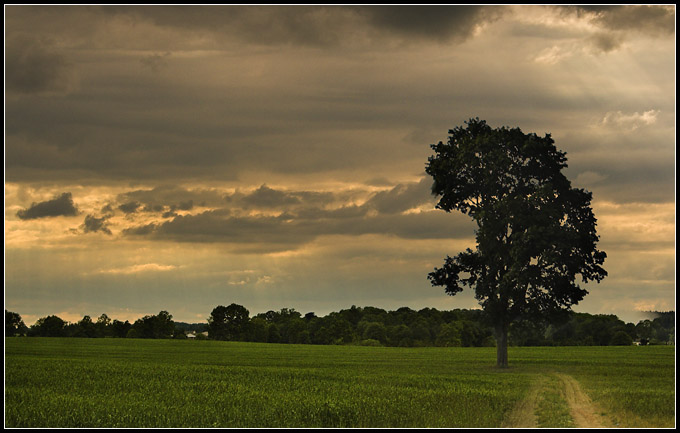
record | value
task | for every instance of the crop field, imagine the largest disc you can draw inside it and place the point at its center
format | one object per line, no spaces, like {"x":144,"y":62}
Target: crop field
{"x":72,"y":382}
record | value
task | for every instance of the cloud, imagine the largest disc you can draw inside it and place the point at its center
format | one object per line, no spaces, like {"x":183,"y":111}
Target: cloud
{"x":135,"y":269}
{"x":292,"y":219}
{"x":226,"y":111}
{"x":33,"y":66}
{"x":632,"y":121}
{"x":265,"y":279}
{"x":269,"y":234}
{"x":552,"y":55}
{"x":311,"y":204}
{"x":441,"y":23}
{"x":93,"y":224}
{"x":156,"y":62}
{"x":221,"y":226}
{"x":59,"y":206}
{"x":606,"y":42}
{"x":270,"y":198}
{"x":186,"y":205}
{"x":638,"y":228}
{"x":608,"y":27}
{"x":403,"y":197}
{"x":589,"y":178}
{"x":655,"y":20}
{"x":262,"y":24}
{"x":319,"y":25}
{"x":379,"y":181}
{"x":129,"y":207}
{"x":165,"y":198}
{"x":142,"y":230}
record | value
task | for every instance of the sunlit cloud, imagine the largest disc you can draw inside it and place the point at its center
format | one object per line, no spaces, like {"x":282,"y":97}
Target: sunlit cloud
{"x":551,"y":56}
{"x":135,"y":269}
{"x":659,"y":305}
{"x":630,"y":121}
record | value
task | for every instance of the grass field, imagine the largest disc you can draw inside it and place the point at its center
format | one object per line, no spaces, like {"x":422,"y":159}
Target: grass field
{"x":70,"y":382}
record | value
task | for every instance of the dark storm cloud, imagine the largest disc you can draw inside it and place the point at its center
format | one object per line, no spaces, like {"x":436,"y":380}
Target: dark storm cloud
{"x":318,"y":25}
{"x":123,"y":125}
{"x":441,"y":23}
{"x":127,"y":125}
{"x":33,"y":66}
{"x":59,"y":206}
{"x":93,"y":224}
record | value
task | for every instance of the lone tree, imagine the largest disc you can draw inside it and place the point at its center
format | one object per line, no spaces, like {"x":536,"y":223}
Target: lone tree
{"x":535,"y":233}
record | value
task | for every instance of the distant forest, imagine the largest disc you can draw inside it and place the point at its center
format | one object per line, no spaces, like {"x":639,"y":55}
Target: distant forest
{"x":403,"y":327}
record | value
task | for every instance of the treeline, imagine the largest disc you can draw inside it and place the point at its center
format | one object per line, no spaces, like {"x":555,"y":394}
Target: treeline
{"x":152,"y":326}
{"x":365,"y":326}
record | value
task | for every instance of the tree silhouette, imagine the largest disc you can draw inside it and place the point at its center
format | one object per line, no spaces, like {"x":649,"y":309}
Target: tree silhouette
{"x":49,"y":326}
{"x":228,"y":323}
{"x":86,"y":328}
{"x":159,"y":326}
{"x":535,"y":233}
{"x":14,"y":324}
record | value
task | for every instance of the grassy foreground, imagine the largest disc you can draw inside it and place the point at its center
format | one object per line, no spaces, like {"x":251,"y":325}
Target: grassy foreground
{"x":70,"y":382}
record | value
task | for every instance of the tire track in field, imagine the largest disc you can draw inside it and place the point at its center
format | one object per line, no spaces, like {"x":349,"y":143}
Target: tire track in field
{"x":524,"y":413}
{"x":583,"y":411}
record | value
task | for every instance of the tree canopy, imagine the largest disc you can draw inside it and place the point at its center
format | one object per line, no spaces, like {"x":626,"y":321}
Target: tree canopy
{"x":227,"y":323}
{"x":14,"y":325}
{"x":158,"y":326}
{"x":535,"y":233}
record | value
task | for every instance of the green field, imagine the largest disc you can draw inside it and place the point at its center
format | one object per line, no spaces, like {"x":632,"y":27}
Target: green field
{"x":72,"y":382}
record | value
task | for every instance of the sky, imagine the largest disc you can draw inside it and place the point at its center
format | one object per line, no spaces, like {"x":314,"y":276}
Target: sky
{"x":179,"y":158}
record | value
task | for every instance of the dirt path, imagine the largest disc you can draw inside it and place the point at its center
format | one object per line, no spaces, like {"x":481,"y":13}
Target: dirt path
{"x":583,"y":411}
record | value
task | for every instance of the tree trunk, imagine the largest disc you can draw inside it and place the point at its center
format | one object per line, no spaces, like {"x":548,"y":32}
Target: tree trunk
{"x":502,"y":346}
